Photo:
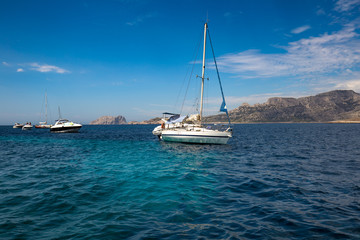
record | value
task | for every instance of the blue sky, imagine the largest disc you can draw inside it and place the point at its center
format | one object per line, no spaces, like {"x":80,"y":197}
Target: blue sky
{"x":134,"y":58}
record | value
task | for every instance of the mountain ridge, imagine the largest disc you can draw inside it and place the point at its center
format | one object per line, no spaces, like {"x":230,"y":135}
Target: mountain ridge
{"x":330,"y":106}
{"x":333,"y":106}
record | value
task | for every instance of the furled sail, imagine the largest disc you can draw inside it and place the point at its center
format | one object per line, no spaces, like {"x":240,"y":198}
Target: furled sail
{"x":223,"y":107}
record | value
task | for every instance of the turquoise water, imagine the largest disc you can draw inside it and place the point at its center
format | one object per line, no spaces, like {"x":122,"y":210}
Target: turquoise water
{"x":272,"y":181}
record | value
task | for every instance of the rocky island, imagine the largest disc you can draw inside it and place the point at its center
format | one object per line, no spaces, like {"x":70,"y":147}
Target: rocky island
{"x":109,"y":120}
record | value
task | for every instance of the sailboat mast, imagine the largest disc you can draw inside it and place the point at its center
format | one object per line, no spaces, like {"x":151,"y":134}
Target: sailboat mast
{"x":203,"y":74}
{"x":59,"y":113}
{"x":45,"y":108}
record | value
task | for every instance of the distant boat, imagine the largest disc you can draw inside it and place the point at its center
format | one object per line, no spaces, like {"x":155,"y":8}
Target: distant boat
{"x":44,"y":124}
{"x":18,"y":125}
{"x":27,"y":126}
{"x":191,"y":129}
{"x":65,"y":126}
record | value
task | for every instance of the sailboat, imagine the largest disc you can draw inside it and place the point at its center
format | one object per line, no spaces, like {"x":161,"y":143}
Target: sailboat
{"x":65,"y":126}
{"x":191,"y":129}
{"x":44,"y":124}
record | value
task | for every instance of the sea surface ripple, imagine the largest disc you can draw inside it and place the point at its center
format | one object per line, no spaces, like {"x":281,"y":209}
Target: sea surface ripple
{"x":272,"y":181}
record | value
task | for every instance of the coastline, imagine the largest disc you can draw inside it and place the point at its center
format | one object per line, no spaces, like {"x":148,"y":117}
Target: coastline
{"x":233,"y":123}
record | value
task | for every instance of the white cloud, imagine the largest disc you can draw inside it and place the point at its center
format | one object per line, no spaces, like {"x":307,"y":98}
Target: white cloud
{"x":47,"y":68}
{"x":6,"y":64}
{"x":324,"y":54}
{"x":140,"y":19}
{"x":320,"y":11}
{"x":300,"y":29}
{"x":19,"y":70}
{"x":118,"y":83}
{"x":346,"y":5}
{"x":349,"y":85}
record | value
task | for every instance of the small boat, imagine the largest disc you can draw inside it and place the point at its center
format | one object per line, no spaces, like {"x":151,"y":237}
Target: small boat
{"x":65,"y":126}
{"x":44,"y":124}
{"x":191,"y":129}
{"x":18,"y":125}
{"x":27,"y":126}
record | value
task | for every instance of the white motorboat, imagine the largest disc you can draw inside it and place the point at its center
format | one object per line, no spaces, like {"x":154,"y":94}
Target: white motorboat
{"x":191,"y":129}
{"x":65,"y":126}
{"x":18,"y":125}
{"x":27,"y":126}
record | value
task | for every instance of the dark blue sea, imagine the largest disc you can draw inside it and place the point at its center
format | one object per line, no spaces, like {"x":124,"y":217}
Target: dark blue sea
{"x":272,"y":181}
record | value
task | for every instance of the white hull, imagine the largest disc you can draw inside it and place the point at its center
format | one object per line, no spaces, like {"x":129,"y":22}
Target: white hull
{"x":157,"y":131}
{"x":43,"y":126}
{"x":201,"y":136}
{"x":27,"y":127}
{"x":65,"y":129}
{"x":65,"y":126}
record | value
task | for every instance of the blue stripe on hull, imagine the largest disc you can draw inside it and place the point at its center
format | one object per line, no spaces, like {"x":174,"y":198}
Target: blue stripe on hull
{"x":195,"y":139}
{"x":205,"y":136}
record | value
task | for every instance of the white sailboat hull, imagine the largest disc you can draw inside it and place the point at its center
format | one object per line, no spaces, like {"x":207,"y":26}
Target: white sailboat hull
{"x":202,"y":136}
{"x":43,"y":126}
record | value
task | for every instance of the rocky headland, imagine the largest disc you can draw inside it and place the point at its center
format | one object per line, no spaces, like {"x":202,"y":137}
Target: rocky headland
{"x":109,"y":120}
{"x":334,"y":106}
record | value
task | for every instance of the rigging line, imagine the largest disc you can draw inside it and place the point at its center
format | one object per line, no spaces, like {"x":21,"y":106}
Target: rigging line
{"x":42,"y":107}
{"x":192,"y":70}
{"x":49,"y":114}
{"x":217,"y":71}
{"x":50,"y":118}
{"x":182,"y":85}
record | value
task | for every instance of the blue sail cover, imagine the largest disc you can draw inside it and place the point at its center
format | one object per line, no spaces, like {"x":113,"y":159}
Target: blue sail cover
{"x":223,"y":107}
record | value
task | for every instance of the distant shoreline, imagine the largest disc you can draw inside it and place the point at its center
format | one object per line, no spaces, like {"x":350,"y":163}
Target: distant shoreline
{"x":225,"y":123}
{"x":339,"y":121}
